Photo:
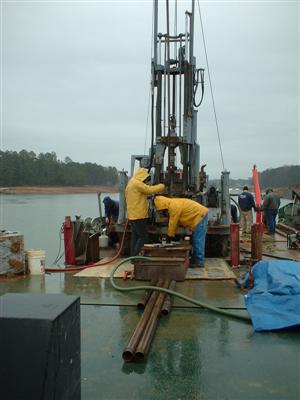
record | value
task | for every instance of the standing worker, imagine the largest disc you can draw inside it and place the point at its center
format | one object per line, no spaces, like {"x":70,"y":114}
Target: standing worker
{"x":136,"y":194}
{"x":191,"y":215}
{"x":270,"y":207}
{"x":111,"y":209}
{"x":246,"y":203}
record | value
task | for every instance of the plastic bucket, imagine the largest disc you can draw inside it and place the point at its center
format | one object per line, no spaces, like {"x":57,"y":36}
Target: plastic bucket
{"x":103,"y":241}
{"x":36,"y":261}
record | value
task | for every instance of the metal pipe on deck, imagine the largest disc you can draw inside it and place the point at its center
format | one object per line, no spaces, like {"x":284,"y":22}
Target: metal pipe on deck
{"x":166,"y":307}
{"x":143,"y":301}
{"x":147,"y":336}
{"x":129,"y":351}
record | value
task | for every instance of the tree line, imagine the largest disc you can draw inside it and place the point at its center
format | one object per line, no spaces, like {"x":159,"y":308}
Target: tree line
{"x":27,"y":168}
{"x":287,"y":175}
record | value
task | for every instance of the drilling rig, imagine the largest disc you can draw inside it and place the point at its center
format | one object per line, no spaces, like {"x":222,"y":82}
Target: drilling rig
{"x":174,"y":153}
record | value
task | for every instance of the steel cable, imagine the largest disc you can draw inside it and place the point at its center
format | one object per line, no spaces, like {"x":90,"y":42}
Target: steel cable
{"x":211,"y":89}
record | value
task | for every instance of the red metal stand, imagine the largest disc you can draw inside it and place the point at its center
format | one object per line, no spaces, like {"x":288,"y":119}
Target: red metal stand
{"x":69,"y":241}
{"x":235,"y":245}
{"x":256,"y":242}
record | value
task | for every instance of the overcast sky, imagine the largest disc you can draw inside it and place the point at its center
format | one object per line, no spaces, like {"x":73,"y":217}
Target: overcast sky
{"x":75,"y":80}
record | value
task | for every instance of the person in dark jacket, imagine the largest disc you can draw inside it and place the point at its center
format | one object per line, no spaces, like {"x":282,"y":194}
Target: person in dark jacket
{"x":246,"y":204}
{"x":234,"y":213}
{"x":111,"y":209}
{"x":270,"y":207}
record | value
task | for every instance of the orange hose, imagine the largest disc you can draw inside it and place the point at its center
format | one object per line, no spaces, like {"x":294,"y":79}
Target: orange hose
{"x":97,"y":264}
{"x":257,"y":194}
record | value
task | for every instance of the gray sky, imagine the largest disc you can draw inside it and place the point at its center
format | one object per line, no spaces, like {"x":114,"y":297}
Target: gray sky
{"x":75,"y":80}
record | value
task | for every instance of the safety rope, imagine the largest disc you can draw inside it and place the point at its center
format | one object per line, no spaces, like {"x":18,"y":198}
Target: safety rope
{"x":210,"y":84}
{"x":147,"y":121}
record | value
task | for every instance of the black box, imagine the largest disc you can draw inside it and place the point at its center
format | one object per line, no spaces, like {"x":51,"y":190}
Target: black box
{"x":40,"y":347}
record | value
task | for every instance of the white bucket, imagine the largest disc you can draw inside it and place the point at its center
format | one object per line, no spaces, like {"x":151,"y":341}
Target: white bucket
{"x":103,"y":241}
{"x":36,"y":261}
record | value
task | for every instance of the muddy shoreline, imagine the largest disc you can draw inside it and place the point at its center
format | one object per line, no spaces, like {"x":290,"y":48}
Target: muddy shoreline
{"x":57,"y":189}
{"x":284,"y":192}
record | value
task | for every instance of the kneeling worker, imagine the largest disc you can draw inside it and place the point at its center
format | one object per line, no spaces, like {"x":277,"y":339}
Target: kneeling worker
{"x":136,"y":194}
{"x":191,"y":215}
{"x":111,"y":208}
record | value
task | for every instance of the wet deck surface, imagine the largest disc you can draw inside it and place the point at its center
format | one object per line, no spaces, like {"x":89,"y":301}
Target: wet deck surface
{"x":273,"y":245}
{"x":195,"y":354}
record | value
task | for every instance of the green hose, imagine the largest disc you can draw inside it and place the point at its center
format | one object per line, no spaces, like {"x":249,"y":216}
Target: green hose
{"x":172,"y":292}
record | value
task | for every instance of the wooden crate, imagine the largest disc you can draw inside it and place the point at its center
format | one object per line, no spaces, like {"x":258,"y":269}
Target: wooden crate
{"x":168,"y":262}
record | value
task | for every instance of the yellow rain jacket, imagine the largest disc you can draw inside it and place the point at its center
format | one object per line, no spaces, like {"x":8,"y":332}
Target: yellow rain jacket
{"x":136,"y":194}
{"x":185,"y":212}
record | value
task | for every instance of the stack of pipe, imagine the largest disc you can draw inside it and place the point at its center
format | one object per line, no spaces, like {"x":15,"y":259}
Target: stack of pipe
{"x":154,"y":304}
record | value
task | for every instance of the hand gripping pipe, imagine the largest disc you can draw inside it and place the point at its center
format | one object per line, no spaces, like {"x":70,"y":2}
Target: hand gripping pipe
{"x":172,"y":292}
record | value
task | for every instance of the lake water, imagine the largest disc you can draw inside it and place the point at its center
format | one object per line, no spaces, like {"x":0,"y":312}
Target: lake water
{"x":40,"y":217}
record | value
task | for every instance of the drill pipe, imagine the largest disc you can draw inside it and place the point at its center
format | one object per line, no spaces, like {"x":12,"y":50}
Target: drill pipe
{"x":145,"y":340}
{"x":129,"y":351}
{"x":166,"y":307}
{"x":143,"y":301}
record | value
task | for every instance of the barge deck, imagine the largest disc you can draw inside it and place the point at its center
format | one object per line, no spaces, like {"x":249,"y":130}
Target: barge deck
{"x":195,"y":353}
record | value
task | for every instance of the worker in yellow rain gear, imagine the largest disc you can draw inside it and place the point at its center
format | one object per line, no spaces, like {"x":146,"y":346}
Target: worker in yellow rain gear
{"x":136,"y":193}
{"x":191,"y":215}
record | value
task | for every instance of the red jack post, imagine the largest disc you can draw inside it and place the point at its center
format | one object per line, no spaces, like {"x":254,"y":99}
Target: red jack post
{"x":256,"y":248}
{"x":235,"y":245}
{"x":69,"y":242}
{"x":256,"y":242}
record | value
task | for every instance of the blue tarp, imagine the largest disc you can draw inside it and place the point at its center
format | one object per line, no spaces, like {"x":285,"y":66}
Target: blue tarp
{"x":274,"y":302}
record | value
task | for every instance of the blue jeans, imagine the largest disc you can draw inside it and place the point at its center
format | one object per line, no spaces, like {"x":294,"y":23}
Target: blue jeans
{"x":199,"y":240}
{"x":139,"y":235}
{"x":271,"y":220}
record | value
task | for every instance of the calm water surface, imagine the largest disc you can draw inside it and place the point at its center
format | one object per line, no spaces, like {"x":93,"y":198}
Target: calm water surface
{"x":40,"y":217}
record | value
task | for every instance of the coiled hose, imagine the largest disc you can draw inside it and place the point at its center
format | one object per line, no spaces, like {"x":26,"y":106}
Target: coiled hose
{"x":171,"y":292}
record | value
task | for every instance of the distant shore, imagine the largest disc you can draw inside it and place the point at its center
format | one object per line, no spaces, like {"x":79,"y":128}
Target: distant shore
{"x":283,"y":192}
{"x":57,"y":189}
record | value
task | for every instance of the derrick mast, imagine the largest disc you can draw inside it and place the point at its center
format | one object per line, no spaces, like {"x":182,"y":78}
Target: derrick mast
{"x":174,"y":152}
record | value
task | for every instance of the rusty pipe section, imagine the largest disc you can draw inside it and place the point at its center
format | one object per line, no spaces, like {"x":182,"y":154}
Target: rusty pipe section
{"x":146,"y":339}
{"x":143,"y":301}
{"x":166,"y":307}
{"x":129,"y":351}
{"x":153,"y":304}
